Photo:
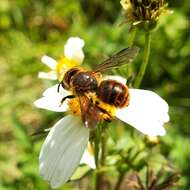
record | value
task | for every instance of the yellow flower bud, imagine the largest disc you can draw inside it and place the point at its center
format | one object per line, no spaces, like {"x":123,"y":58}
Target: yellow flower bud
{"x":144,"y":13}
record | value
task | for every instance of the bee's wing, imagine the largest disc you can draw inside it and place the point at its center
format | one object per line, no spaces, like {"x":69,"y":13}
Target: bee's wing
{"x":124,"y":56}
{"x":89,"y":112}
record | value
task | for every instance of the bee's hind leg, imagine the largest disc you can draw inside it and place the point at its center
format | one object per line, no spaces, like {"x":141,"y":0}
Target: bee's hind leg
{"x":109,"y":117}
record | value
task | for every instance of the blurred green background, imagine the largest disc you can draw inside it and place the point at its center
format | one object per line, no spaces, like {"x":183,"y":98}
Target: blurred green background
{"x":29,"y":29}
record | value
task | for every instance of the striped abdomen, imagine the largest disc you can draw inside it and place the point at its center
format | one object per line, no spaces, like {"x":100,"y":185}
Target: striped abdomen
{"x":113,"y":93}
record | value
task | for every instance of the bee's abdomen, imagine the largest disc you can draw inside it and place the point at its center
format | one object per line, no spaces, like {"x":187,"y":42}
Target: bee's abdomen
{"x":113,"y":93}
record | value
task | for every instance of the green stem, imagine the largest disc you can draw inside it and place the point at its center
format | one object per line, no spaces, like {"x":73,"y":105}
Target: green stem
{"x":98,"y":181}
{"x":96,"y":147}
{"x":100,"y":154}
{"x":145,"y":60}
{"x":132,"y":36}
{"x":130,"y":43}
{"x":119,"y":180}
{"x":103,"y":148}
{"x":97,"y":151}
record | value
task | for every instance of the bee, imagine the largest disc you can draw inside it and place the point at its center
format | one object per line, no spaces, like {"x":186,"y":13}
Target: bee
{"x":82,"y":83}
{"x":114,"y":93}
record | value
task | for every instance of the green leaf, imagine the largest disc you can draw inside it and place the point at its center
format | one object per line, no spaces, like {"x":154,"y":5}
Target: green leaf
{"x":80,"y":172}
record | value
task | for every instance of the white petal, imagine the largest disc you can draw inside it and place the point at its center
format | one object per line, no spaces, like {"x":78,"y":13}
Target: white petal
{"x":116,"y":78}
{"x":54,"y":91}
{"x":62,"y":150}
{"x":147,"y":112}
{"x":52,"y":100}
{"x":73,"y":49}
{"x":88,"y":157}
{"x":49,"y":75}
{"x":52,"y":103}
{"x":49,"y":61}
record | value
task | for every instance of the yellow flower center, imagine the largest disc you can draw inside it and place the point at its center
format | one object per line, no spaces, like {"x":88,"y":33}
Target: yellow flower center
{"x":109,"y":109}
{"x":63,"y":65}
{"x":74,"y":106}
{"x":107,"y":112}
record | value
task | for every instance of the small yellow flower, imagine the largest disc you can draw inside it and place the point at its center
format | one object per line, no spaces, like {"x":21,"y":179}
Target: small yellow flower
{"x":73,"y":56}
{"x":144,"y":13}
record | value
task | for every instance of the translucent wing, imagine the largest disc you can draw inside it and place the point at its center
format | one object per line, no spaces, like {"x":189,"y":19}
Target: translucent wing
{"x":124,"y":56}
{"x":89,"y":112}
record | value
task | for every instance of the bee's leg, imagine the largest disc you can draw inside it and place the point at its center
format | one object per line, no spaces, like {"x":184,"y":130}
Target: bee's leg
{"x":60,"y":84}
{"x":66,"y":97}
{"x":58,"y":87}
{"x":105,"y":112}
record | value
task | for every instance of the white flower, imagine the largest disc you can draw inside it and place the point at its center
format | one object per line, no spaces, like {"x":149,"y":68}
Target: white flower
{"x":65,"y":144}
{"x":73,"y":56}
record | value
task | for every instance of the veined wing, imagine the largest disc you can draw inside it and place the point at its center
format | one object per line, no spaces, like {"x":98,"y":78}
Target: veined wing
{"x":89,"y":112}
{"x":124,"y":56}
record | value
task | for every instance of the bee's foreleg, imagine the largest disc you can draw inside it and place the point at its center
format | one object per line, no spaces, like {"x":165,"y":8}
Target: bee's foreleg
{"x":61,"y":84}
{"x":58,"y":87}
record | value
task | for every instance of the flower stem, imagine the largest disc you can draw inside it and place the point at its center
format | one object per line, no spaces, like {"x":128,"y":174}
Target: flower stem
{"x":119,"y":180}
{"x":145,"y":60}
{"x":96,"y":145}
{"x":97,"y":153}
{"x":132,"y":36}
{"x":130,"y":43}
{"x":100,"y":154}
{"x":98,"y":181}
{"x":103,"y":147}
